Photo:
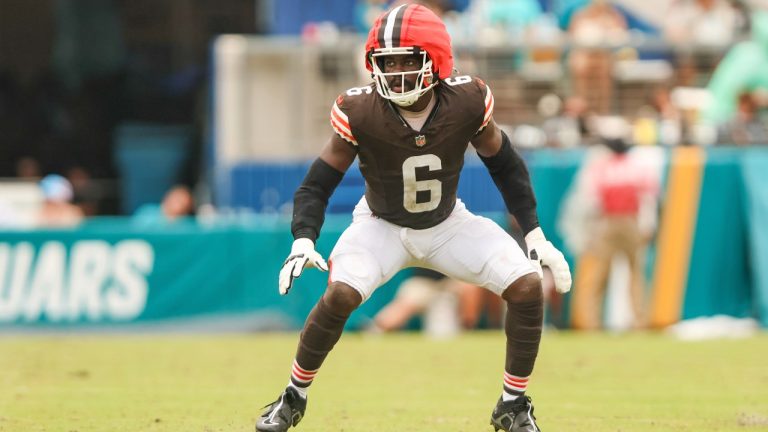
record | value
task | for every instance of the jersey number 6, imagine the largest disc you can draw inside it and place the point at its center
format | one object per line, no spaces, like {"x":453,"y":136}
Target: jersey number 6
{"x":411,"y":186}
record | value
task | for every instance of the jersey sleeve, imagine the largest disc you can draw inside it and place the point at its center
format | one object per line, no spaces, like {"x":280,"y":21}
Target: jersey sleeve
{"x":488,"y":108}
{"x":340,"y":122}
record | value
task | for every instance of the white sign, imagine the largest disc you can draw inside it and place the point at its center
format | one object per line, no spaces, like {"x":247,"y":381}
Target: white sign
{"x":96,"y":281}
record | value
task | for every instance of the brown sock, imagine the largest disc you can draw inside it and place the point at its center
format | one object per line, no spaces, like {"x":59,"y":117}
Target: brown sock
{"x":523,"y":326}
{"x":322,"y":330}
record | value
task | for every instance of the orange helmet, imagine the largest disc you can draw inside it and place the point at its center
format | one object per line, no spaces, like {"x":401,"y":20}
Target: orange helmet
{"x":407,"y":30}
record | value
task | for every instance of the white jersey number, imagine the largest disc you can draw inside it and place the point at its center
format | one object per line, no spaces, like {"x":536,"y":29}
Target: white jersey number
{"x":458,"y":80}
{"x":355,"y":91}
{"x":411,"y":186}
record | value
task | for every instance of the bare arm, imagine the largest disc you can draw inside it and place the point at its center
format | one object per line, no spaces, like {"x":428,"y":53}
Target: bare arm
{"x":488,"y":142}
{"x":338,"y":153}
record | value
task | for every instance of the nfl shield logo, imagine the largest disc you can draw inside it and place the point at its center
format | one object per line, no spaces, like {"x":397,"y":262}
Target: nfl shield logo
{"x":420,"y":140}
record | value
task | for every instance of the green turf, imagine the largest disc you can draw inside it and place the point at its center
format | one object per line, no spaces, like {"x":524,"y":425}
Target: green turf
{"x":398,"y":383}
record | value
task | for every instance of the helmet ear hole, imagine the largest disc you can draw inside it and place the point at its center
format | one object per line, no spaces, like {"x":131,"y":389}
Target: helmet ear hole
{"x":370,"y":59}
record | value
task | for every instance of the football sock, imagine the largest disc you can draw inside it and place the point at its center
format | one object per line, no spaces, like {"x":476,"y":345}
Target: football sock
{"x":301,"y":379}
{"x":321,"y":332}
{"x":523,"y":325}
{"x":514,"y":386}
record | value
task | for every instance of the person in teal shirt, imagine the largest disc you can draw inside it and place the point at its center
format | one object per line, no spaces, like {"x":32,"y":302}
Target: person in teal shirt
{"x":513,"y":13}
{"x":744,"y":69}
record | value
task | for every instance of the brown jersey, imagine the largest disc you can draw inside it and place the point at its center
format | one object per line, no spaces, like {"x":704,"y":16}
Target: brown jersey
{"x":411,"y":176}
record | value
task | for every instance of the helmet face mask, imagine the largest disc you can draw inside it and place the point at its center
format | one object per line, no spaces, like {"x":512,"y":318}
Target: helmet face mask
{"x":413,"y":83}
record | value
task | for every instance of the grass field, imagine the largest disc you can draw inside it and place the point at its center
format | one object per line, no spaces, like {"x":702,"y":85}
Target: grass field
{"x":398,"y":383}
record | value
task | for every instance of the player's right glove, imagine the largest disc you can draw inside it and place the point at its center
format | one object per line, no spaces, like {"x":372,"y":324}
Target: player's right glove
{"x":542,"y":253}
{"x":303,"y":254}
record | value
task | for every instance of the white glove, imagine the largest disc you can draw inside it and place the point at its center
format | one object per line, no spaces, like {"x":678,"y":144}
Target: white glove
{"x":302,"y":255}
{"x":542,"y":253}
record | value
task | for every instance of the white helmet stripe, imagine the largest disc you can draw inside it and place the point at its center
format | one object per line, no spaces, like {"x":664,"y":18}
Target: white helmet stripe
{"x":391,"y":19}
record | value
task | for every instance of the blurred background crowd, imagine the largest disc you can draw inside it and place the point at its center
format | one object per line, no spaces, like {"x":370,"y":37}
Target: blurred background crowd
{"x":76,"y":74}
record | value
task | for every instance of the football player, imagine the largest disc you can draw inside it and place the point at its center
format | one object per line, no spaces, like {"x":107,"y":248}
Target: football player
{"x":409,"y":130}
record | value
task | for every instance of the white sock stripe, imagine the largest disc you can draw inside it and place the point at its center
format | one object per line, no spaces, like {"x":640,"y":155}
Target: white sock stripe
{"x":302,"y":378}
{"x":301,"y":381}
{"x":515,"y":388}
{"x":303,"y":371}
{"x":517,"y":379}
{"x":515,"y":383}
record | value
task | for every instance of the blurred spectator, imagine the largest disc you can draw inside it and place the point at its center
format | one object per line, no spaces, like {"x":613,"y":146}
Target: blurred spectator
{"x":746,"y":127}
{"x":690,"y":102}
{"x":425,"y":292}
{"x":565,"y":123}
{"x":696,"y":27}
{"x":57,"y":210}
{"x":503,"y":21}
{"x":658,"y":121}
{"x":177,"y":204}
{"x":445,"y":305}
{"x":710,"y":23}
{"x":86,"y":193}
{"x":668,"y":118}
{"x":594,"y":30}
{"x":28,"y":168}
{"x":565,"y":9}
{"x":743,"y":69}
{"x":477,"y":304}
{"x":610,"y":212}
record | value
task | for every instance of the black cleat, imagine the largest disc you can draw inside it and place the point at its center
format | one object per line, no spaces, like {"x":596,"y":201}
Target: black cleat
{"x":514,"y":416}
{"x":286,"y":411}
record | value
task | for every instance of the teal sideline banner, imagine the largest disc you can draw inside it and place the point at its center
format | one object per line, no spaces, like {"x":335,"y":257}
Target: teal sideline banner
{"x":719,"y":276}
{"x":755,"y":174}
{"x":113,"y":271}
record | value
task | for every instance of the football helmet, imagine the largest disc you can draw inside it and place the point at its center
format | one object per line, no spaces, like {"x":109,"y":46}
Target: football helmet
{"x":409,"y":29}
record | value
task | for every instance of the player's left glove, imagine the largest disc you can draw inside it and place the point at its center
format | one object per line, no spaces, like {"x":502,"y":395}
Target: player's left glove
{"x":542,"y":253}
{"x":303,"y":254}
